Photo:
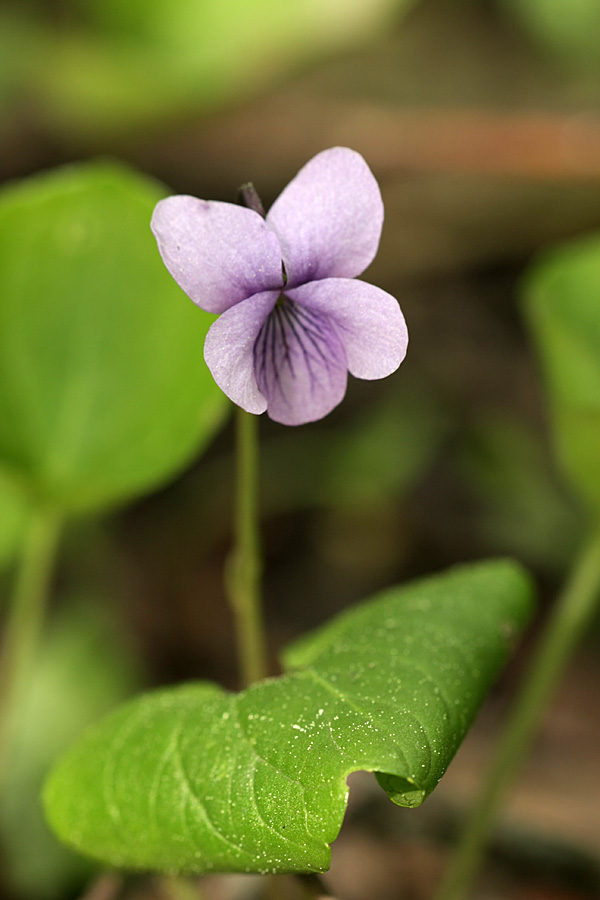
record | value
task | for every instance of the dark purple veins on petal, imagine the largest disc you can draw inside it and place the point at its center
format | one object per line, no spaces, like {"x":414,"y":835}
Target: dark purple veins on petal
{"x":297,"y":355}
{"x":288,"y":329}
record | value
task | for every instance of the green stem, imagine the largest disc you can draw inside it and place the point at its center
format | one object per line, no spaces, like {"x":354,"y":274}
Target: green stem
{"x":23,"y":624}
{"x":178,"y":887}
{"x":245,"y":565}
{"x":572,"y":613}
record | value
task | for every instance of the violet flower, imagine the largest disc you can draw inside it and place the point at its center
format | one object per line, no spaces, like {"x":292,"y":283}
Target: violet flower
{"x":293,"y":320}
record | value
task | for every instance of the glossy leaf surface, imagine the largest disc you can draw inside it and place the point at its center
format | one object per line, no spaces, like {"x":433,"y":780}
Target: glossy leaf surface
{"x":104,"y":392}
{"x":194,"y":778}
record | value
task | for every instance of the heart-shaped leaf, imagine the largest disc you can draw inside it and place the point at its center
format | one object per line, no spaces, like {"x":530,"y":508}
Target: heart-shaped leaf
{"x":562,"y":303}
{"x":194,"y":778}
{"x":104,"y":392}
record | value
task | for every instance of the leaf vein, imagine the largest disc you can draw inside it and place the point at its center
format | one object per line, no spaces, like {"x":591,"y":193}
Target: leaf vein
{"x":295,"y":781}
{"x":368,"y":715}
{"x":169,"y":751}
{"x":109,"y":769}
{"x":199,"y":803}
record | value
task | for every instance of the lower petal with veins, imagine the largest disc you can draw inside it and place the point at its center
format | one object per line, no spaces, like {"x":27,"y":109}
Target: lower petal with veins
{"x":299,"y":364}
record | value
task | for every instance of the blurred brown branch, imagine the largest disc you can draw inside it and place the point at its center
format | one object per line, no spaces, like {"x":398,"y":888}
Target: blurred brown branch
{"x":528,"y":144}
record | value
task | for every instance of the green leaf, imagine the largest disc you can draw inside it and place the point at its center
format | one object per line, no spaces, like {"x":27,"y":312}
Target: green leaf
{"x":116,"y":65}
{"x":104,"y":393}
{"x":522,"y":507}
{"x":574,"y":37}
{"x":562,"y":304}
{"x":355,"y":465}
{"x":194,"y":778}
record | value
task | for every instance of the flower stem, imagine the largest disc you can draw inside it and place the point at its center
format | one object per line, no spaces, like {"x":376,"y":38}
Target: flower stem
{"x":572,"y":613}
{"x":178,"y":887}
{"x":244,"y":569}
{"x":23,"y":624}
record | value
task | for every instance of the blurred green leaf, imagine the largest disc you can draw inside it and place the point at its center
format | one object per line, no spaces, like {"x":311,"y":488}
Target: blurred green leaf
{"x":385,"y":452}
{"x":571,"y":31}
{"x":562,"y":305}
{"x":104,"y":393}
{"x":120,"y":64}
{"x":193,"y":778}
{"x":83,"y":669}
{"x":524,"y":510}
{"x":380,"y":453}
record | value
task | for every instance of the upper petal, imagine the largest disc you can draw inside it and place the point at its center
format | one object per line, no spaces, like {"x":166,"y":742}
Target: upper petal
{"x":299,"y":364}
{"x":368,"y":320}
{"x":329,"y":218}
{"x":229,"y":350}
{"x":219,"y":253}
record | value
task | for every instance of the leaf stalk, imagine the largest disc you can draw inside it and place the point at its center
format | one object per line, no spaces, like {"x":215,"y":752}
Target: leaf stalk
{"x":572,"y":613}
{"x":24,"y":621}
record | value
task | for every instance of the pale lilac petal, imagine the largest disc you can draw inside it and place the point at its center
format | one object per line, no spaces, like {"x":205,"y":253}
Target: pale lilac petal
{"x":329,"y":218}
{"x":299,"y":364}
{"x":229,"y":350}
{"x":219,"y":253}
{"x":368,"y":320}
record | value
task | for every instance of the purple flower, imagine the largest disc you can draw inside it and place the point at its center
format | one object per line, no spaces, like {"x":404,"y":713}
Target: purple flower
{"x":293,"y":320}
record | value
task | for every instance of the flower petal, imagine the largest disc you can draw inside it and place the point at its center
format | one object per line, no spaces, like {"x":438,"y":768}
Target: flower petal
{"x":329,"y":218}
{"x":229,"y":350}
{"x":299,"y":364}
{"x":219,"y":253}
{"x":368,"y":320}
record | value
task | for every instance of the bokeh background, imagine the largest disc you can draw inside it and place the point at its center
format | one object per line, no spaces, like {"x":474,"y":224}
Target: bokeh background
{"x":480,"y":120}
